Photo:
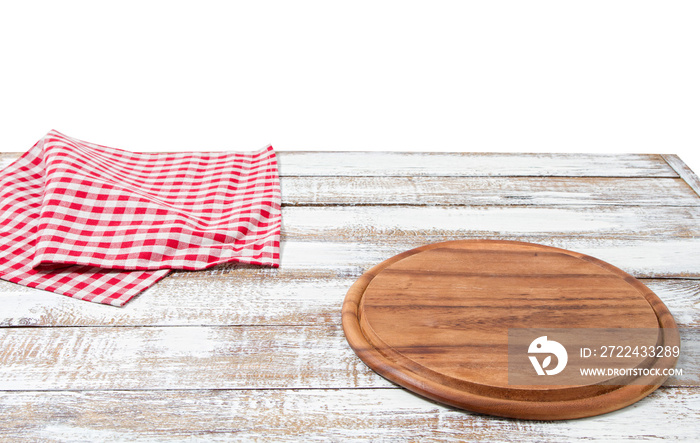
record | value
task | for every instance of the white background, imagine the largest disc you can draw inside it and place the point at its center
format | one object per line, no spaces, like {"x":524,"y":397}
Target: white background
{"x":524,"y":76}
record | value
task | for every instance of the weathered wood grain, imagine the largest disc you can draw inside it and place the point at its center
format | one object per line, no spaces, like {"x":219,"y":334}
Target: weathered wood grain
{"x":245,"y":297}
{"x":318,"y":415}
{"x":471,"y":164}
{"x":205,"y":357}
{"x":663,"y":258}
{"x":646,"y":242}
{"x":487,"y":191}
{"x":648,"y":228}
{"x":673,"y":258}
{"x":233,"y":297}
{"x":427,"y":190}
{"x":660,"y":242}
{"x":388,"y":224}
{"x":179,"y":358}
{"x":461,"y":164}
{"x":683,"y":171}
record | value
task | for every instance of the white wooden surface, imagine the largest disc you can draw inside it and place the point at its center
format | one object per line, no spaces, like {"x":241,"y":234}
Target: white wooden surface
{"x":245,"y":353}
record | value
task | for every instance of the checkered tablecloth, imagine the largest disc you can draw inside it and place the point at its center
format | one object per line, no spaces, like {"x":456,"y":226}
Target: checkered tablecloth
{"x":103,"y":224}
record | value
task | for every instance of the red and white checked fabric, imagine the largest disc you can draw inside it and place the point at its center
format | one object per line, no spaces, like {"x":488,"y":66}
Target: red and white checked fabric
{"x":103,"y":224}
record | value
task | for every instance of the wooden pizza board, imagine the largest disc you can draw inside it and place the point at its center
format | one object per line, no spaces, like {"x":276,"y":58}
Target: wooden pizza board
{"x":436,"y":321}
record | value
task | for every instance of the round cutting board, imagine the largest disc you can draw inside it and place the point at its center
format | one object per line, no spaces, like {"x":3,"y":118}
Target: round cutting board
{"x":443,"y":321}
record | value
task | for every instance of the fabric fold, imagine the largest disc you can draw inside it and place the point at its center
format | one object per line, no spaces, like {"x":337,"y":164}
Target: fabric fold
{"x":103,"y":224}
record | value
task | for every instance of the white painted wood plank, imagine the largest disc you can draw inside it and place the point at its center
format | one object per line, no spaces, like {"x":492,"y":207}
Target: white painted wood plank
{"x":244,"y":297}
{"x":626,"y":238}
{"x":238,"y":297}
{"x":471,"y":164}
{"x":487,"y":191}
{"x":645,"y":258}
{"x":206,"y":357}
{"x":180,"y":358}
{"x":683,"y":171}
{"x":319,"y":415}
{"x":461,"y":164}
{"x":382,"y":224}
{"x":6,"y":158}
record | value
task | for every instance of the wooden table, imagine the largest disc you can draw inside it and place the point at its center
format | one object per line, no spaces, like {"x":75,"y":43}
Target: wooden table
{"x":238,"y":352}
